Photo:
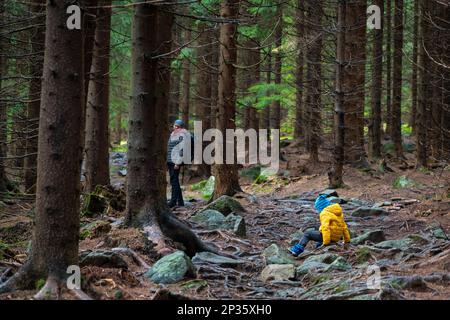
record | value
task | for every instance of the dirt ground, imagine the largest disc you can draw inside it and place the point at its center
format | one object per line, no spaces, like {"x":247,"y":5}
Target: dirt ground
{"x":271,"y":219}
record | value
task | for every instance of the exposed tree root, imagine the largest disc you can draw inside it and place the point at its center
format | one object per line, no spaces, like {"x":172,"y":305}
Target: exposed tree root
{"x":23,"y":279}
{"x":179,"y":232}
{"x":138,"y":260}
{"x":51,"y":290}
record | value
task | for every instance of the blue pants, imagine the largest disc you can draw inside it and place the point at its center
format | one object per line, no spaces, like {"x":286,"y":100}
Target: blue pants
{"x":313,"y":235}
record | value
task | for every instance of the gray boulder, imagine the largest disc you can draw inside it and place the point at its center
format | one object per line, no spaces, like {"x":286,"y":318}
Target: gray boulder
{"x":172,"y":268}
{"x":276,"y":255}
{"x":213,"y":219}
{"x":278,"y":272}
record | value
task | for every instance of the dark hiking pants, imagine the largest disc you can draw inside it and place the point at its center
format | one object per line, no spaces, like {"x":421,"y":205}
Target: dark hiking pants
{"x":177,"y":197}
{"x":314,"y":235}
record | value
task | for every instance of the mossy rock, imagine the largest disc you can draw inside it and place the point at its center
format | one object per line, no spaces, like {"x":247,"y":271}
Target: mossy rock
{"x":211,"y":219}
{"x":273,"y":254}
{"x":172,"y":269}
{"x":374,"y":236}
{"x":339,"y":264}
{"x":225,"y":205}
{"x":363,"y":255}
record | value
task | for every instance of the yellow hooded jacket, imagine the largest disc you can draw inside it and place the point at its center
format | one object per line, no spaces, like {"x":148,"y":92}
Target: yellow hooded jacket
{"x":332,"y":225}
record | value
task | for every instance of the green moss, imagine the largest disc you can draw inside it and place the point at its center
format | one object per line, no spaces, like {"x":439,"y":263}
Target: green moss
{"x":403,"y":182}
{"x":363,"y":255}
{"x":3,"y":248}
{"x":319,"y":279}
{"x":343,"y":286}
{"x":40,"y":284}
{"x":194,"y":284}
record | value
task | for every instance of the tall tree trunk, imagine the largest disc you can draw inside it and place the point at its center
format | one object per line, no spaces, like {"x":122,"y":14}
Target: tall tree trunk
{"x":97,"y":111}
{"x":388,"y":24}
{"x":335,"y":175}
{"x":37,"y":38}
{"x":377,"y":79}
{"x":146,"y":180}
{"x":3,"y":110}
{"x":118,"y":127}
{"x":227,"y":179}
{"x":185,"y":98}
{"x":298,"y":127}
{"x":412,"y":118}
{"x":265,"y":116}
{"x":175,"y":79}
{"x":354,"y":82}
{"x":445,"y":118}
{"x":18,"y":125}
{"x":314,"y":78}
{"x":203,"y":95}
{"x":423,"y":87}
{"x":56,"y":230}
{"x":89,"y":26}
{"x":396,"y":129}
{"x":275,"y":113}
{"x":214,"y":80}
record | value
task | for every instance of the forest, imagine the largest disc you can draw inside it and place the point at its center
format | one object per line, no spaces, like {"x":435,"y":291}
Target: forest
{"x":348,"y":99}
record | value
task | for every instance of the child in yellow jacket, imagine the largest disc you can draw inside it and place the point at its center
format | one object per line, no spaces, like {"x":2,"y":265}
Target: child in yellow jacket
{"x":332,"y":226}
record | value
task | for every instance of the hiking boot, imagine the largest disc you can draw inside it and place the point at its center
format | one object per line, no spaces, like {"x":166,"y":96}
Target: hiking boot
{"x":296,"y":250}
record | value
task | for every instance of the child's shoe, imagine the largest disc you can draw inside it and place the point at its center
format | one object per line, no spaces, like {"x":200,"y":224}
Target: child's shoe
{"x":296,"y":250}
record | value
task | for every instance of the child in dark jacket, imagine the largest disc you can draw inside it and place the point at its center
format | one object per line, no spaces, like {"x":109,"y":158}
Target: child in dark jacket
{"x":332,"y":226}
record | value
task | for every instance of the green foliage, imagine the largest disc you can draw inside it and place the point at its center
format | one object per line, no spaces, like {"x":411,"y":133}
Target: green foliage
{"x":205,"y":186}
{"x":3,"y":248}
{"x":251,"y":172}
{"x":122,"y":147}
{"x":40,"y":284}
{"x":403,"y":182}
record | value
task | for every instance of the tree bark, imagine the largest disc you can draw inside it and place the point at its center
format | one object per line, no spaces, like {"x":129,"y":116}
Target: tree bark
{"x":335,"y":175}
{"x":37,"y":40}
{"x":314,"y":79}
{"x":97,"y":109}
{"x":214,"y":80}
{"x":185,"y":98}
{"x":275,"y":113}
{"x":423,"y":89}
{"x":396,"y":128}
{"x":388,"y":24}
{"x":412,"y":118}
{"x":265,"y":115}
{"x":226,"y":175}
{"x":175,"y":79}
{"x":56,"y":230}
{"x":3,"y":111}
{"x":203,"y":94}
{"x":298,"y":127}
{"x":377,"y":77}
{"x":354,"y":82}
{"x":146,"y":180}
{"x":89,"y":27}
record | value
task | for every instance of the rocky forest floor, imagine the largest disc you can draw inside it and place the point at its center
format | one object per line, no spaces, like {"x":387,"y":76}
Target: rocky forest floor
{"x":399,"y":219}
